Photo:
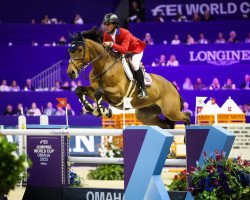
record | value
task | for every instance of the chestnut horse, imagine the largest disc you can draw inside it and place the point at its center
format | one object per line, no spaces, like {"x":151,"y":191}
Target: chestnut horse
{"x":109,"y":82}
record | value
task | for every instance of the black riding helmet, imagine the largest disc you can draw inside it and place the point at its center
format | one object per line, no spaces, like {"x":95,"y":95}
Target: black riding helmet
{"x":111,"y":18}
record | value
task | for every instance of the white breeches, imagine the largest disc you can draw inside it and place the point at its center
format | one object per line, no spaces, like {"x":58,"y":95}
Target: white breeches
{"x":136,"y":60}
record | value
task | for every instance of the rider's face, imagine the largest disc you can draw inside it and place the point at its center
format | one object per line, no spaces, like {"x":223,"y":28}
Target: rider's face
{"x":110,"y":27}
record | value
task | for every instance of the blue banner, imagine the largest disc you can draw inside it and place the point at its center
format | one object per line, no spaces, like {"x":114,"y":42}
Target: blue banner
{"x":225,"y":9}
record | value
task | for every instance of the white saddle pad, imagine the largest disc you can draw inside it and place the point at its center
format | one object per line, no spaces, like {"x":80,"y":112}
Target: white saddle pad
{"x":147,"y":78}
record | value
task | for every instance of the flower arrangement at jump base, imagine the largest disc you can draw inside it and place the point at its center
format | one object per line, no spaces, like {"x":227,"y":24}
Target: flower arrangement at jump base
{"x":179,"y":182}
{"x":108,"y":171}
{"x":11,"y":166}
{"x":75,"y":180}
{"x":220,"y":178}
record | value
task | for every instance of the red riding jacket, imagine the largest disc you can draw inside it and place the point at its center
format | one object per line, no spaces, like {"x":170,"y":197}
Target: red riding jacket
{"x":125,"y":42}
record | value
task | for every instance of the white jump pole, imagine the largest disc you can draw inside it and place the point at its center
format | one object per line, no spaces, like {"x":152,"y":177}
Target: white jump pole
{"x":63,"y":132}
{"x":99,"y":160}
{"x":75,"y":132}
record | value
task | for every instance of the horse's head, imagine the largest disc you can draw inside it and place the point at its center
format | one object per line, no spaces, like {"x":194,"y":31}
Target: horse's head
{"x":78,"y":55}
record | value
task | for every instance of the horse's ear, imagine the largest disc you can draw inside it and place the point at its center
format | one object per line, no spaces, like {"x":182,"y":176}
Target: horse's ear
{"x":71,"y":36}
{"x":79,"y":35}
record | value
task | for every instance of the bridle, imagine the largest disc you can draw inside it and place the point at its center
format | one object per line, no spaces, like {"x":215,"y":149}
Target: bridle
{"x":85,"y":66}
{"x":85,"y":47}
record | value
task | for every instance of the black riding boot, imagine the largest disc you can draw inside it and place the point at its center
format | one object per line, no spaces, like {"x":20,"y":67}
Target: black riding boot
{"x":141,"y":85}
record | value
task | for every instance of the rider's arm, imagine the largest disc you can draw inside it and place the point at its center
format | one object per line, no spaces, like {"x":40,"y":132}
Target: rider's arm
{"x":123,"y":48}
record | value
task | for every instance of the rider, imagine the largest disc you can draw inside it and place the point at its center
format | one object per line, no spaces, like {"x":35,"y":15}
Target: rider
{"x":124,"y":42}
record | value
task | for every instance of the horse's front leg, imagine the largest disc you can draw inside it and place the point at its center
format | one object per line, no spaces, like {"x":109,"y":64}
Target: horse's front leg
{"x":82,"y":92}
{"x":105,"y":112}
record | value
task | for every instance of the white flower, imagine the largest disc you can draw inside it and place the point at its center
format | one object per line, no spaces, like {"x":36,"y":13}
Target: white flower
{"x":100,"y":150}
{"x":111,"y":153}
{"x":25,"y":164}
{"x":103,"y":155}
{"x":13,"y":153}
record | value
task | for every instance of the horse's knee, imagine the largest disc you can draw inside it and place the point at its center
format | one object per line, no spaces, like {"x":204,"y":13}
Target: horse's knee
{"x":98,"y":93}
{"x":80,"y":90}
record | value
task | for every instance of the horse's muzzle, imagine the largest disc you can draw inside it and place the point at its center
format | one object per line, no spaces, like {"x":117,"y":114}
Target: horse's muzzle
{"x":72,"y":74}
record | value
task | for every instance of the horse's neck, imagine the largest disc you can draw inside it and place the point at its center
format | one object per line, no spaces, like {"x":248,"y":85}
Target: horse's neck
{"x":106,"y":60}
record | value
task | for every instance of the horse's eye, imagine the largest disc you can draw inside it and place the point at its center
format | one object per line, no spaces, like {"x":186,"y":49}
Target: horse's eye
{"x":80,"y":50}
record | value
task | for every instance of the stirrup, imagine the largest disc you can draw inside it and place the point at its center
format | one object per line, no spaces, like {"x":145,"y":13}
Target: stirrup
{"x":142,"y":94}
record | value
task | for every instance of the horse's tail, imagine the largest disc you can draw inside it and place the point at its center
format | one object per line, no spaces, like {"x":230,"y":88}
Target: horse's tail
{"x":181,"y":102}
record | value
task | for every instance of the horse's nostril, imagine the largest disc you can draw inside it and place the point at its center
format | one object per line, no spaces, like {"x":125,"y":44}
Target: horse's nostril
{"x":72,"y":72}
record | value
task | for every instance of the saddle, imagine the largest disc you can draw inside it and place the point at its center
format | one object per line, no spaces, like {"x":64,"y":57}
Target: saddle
{"x":127,"y":66}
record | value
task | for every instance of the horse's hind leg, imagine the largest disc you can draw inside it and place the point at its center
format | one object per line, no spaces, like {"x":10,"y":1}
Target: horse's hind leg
{"x":150,"y":116}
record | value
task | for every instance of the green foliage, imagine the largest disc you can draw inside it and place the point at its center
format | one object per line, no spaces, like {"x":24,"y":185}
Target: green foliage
{"x":107,"y":172}
{"x":11,"y":165}
{"x":179,"y":182}
{"x":221,"y":178}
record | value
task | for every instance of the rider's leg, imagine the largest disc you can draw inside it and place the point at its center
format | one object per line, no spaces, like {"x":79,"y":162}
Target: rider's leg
{"x":136,"y":60}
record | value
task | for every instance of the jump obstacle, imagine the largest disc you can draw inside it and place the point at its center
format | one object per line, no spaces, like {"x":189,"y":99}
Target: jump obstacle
{"x":145,"y":152}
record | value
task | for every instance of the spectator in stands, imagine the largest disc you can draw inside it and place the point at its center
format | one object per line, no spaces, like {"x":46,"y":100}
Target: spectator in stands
{"x":62,"y":41}
{"x":60,"y":111}
{"x":28,"y":86}
{"x":232,"y":37}
{"x":78,"y":20}
{"x":73,"y":85}
{"x":21,"y":109}
{"x":187,"y":85}
{"x":247,"y":109}
{"x":207,"y":16}
{"x":199,"y":85}
{"x":79,"y":83}
{"x":160,"y":17}
{"x":247,"y":40}
{"x":203,"y":39}
{"x":215,"y":84}
{"x":66,"y":86}
{"x":246,"y":84}
{"x":136,"y":13}
{"x":148,"y":39}
{"x":176,"y":40}
{"x":34,"y":111}
{"x":4,"y":87}
{"x":14,"y":87}
{"x":190,"y":39}
{"x":179,"y":18}
{"x":70,"y":110}
{"x":196,"y":17}
{"x":50,"y":110}
{"x":176,"y":85}
{"x":46,"y":20}
{"x":9,"y":111}
{"x":172,"y":62}
{"x":229,"y":85}
{"x":220,"y":39}
{"x":33,"y":21}
{"x":57,"y":86}
{"x":186,"y":108}
{"x":160,"y":62}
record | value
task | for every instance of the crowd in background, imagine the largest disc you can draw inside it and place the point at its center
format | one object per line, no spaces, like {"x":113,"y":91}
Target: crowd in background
{"x":189,"y":40}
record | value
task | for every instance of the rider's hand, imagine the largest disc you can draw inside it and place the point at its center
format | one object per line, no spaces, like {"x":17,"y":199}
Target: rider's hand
{"x":107,"y":44}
